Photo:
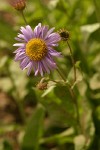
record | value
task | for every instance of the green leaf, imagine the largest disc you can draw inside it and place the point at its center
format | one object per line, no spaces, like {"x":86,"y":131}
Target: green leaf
{"x":87,"y":126}
{"x":34,"y":130}
{"x":77,"y":64}
{"x":63,"y":93}
{"x":48,"y":91}
{"x":90,"y":28}
{"x":61,"y":138}
{"x":66,"y":108}
{"x":79,"y":142}
{"x":95,"y":81}
{"x":87,"y":30}
{"x":79,"y":75}
{"x":7,"y":145}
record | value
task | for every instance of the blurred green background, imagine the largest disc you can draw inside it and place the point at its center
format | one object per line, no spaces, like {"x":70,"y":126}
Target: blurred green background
{"x":31,"y":119}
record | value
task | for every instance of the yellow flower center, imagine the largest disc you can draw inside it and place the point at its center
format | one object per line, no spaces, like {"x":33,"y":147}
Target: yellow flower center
{"x":36,"y":49}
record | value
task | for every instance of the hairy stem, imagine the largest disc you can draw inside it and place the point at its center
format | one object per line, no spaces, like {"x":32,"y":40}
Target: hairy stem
{"x":76,"y":108}
{"x":73,"y":99}
{"x":72,"y":59}
{"x":61,"y":75}
{"x":22,"y":13}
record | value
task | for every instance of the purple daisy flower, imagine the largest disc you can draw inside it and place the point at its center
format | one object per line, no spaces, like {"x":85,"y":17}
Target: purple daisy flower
{"x":35,"y":50}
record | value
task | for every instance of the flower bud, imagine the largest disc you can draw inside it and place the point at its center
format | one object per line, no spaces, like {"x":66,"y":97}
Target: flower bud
{"x":64,"y":34}
{"x":42,"y":86}
{"x":18,"y":4}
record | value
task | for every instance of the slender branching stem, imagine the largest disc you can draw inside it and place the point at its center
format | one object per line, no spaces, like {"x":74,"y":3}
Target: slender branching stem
{"x":72,"y":59}
{"x":61,"y":74}
{"x":73,"y":99}
{"x":22,"y":13}
{"x":76,"y":108}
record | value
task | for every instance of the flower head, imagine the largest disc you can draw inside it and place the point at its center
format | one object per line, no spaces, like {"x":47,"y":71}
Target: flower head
{"x":42,"y":86}
{"x":64,"y":34}
{"x":36,"y":49}
{"x":18,"y":4}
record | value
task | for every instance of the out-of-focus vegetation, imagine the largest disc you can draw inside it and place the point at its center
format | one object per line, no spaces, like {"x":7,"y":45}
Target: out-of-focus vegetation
{"x":31,"y":119}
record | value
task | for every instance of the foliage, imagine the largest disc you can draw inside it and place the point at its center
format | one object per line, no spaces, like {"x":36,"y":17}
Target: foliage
{"x":66,"y":114}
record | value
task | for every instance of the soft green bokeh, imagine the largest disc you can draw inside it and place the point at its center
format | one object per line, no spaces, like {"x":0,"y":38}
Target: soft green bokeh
{"x":54,"y":125}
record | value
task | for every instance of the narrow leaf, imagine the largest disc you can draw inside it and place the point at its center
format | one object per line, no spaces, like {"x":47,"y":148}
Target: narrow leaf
{"x":34,"y":130}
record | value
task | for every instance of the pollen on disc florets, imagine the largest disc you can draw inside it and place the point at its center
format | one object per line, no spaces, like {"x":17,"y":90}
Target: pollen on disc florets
{"x":64,"y":34}
{"x":36,"y":49}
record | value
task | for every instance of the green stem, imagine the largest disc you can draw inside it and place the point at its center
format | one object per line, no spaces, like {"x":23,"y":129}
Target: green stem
{"x":72,"y":59}
{"x":22,"y":13}
{"x":60,"y":73}
{"x":74,"y":100}
{"x":77,"y":109}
